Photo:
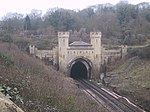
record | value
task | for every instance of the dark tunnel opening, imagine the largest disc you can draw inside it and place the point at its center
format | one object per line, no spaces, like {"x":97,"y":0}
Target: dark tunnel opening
{"x":79,"y":71}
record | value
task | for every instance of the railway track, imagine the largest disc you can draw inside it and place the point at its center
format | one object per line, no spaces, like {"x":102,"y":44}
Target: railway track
{"x":114,"y":101}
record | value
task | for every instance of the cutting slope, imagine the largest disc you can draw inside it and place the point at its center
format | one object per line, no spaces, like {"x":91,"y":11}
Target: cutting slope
{"x":42,"y":88}
{"x":132,"y":79}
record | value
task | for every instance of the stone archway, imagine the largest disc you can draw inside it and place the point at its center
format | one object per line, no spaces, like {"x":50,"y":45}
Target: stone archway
{"x":80,"y":68}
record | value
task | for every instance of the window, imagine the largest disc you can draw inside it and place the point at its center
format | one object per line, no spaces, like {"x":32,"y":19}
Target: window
{"x":63,"y":41}
{"x":96,"y":55}
{"x":96,"y":40}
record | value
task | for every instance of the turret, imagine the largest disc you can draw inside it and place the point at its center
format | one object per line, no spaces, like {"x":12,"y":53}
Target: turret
{"x":32,"y":49}
{"x":63,"y":38}
{"x":123,"y":50}
{"x":96,"y":44}
{"x":95,"y":39}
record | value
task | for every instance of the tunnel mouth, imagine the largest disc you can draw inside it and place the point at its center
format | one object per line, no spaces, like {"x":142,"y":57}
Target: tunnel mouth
{"x":79,"y":71}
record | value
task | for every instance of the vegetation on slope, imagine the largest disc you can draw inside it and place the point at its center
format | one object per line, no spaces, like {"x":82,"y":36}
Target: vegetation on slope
{"x":132,"y":79}
{"x":41,"y":88}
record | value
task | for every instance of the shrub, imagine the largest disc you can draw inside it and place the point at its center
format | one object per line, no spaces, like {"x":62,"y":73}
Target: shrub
{"x":11,"y":93}
{"x":7,"y":38}
{"x":144,"y":52}
{"x":22,"y":44}
{"x":133,"y":52}
{"x":6,"y":60}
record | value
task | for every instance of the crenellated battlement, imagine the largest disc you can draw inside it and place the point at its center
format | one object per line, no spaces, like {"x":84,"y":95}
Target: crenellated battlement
{"x":63,"y":34}
{"x":95,"y":34}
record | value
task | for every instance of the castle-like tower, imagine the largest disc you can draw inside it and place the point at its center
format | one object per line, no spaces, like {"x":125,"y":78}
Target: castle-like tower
{"x":63,"y":38}
{"x":32,"y":49}
{"x":96,"y":44}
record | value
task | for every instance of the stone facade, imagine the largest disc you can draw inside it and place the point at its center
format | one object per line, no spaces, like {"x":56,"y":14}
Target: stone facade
{"x":110,"y":55}
{"x":88,"y":52}
{"x":41,"y":54}
{"x":65,"y":55}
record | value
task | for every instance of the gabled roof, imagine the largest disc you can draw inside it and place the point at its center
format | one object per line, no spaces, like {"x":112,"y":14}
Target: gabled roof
{"x":79,"y":43}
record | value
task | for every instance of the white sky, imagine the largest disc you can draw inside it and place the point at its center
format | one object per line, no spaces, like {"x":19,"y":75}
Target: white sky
{"x":25,"y":6}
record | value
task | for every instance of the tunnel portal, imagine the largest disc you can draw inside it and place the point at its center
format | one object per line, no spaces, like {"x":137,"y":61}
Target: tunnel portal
{"x":79,"y":71}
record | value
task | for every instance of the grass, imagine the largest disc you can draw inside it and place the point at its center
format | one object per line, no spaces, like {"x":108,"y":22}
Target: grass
{"x":133,"y":80}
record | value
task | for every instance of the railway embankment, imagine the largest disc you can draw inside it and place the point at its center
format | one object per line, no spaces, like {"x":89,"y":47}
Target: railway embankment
{"x":131,"y":79}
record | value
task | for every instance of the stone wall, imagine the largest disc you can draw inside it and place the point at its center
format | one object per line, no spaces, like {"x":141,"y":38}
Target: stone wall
{"x":7,"y":105}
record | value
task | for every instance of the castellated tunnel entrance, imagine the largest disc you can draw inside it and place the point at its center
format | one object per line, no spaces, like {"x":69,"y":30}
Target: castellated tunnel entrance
{"x":80,"y":69}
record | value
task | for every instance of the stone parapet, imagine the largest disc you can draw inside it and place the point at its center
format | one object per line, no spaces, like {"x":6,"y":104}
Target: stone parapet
{"x":95,"y":34}
{"x":63,"y":34}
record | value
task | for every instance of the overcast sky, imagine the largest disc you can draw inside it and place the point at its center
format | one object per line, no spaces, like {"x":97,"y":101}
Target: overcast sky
{"x":25,"y":6}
